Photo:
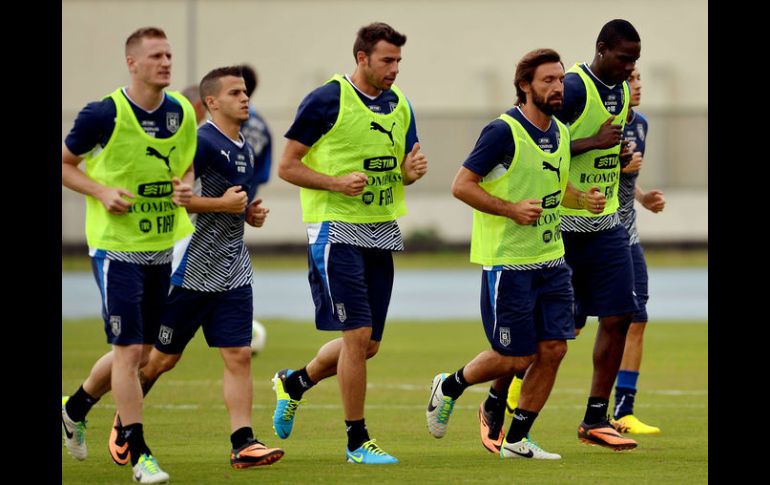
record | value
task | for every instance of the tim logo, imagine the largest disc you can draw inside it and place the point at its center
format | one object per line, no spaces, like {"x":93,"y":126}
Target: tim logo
{"x":505,"y":336}
{"x":156,"y":189}
{"x":145,"y":225}
{"x":165,"y":334}
{"x":551,"y":201}
{"x":155,"y":153}
{"x":115,"y":324}
{"x":377,"y":127}
{"x":547,"y":236}
{"x":548,"y":166}
{"x":380,"y":164}
{"x":367,"y":197}
{"x":341,"y":315}
{"x":605,"y":162}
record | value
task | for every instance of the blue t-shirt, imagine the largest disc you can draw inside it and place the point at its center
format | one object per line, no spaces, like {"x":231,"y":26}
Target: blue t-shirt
{"x":496,"y":146}
{"x":634,"y":131}
{"x":94,"y":126}
{"x":257,"y":133}
{"x":215,"y":258}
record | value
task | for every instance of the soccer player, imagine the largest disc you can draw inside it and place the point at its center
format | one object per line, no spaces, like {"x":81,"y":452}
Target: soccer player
{"x":635,"y":132}
{"x":255,"y":130}
{"x":596,"y":245}
{"x":516,"y":178}
{"x":351,"y":148}
{"x":211,"y":280}
{"x":138,"y":143}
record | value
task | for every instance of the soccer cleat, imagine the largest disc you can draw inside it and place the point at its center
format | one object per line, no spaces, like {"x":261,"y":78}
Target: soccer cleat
{"x":74,"y":433}
{"x":369,"y":454}
{"x":254,"y":453}
{"x":603,"y":434}
{"x":491,"y":429}
{"x":285,"y":406}
{"x":514,"y":391}
{"x":631,"y":424}
{"x":147,"y":470}
{"x":526,"y":448}
{"x":439,"y":408}
{"x":117,"y":445}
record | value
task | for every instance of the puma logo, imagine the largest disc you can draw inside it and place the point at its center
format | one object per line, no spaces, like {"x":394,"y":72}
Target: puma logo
{"x":155,"y":153}
{"x":226,"y":154}
{"x":377,"y":127}
{"x":548,"y":166}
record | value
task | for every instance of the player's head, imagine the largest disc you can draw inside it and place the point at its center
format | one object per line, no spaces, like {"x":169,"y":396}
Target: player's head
{"x":635,"y":87}
{"x":148,"y":56}
{"x":223,"y":92}
{"x":251,"y":78}
{"x":539,"y":80}
{"x":377,"y":51}
{"x":618,"y":47}
{"x":192,"y":93}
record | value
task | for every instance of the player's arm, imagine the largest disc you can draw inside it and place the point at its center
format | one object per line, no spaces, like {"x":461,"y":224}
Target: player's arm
{"x":466,"y":188}
{"x":293,"y":170}
{"x":414,"y":165}
{"x":593,"y":201}
{"x":652,"y":200}
{"x":74,"y":178}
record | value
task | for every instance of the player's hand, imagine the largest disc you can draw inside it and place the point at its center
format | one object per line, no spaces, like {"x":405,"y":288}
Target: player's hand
{"x":183,"y":192}
{"x":595,"y":200}
{"x":415,"y":165}
{"x":351,"y":184}
{"x":654,"y":201}
{"x":112,"y":200}
{"x":608,"y":135}
{"x":256,"y":214}
{"x":634,"y":165}
{"x":234,"y":200}
{"x":526,"y":211}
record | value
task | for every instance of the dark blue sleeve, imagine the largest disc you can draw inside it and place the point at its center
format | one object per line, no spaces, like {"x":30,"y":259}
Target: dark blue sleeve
{"x":93,"y":126}
{"x":411,"y":132}
{"x":316,"y":114}
{"x":265,"y":159}
{"x":574,"y":98}
{"x":495,"y":146}
{"x":203,"y":156}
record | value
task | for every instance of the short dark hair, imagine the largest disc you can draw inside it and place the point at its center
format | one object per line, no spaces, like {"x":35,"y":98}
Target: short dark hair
{"x":616,"y":31}
{"x":145,"y":32}
{"x":249,"y":75}
{"x":370,"y":34}
{"x":525,"y":69}
{"x":210,"y":84}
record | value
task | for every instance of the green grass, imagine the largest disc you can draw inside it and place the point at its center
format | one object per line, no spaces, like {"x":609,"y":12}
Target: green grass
{"x":422,"y":260}
{"x":187,"y":427}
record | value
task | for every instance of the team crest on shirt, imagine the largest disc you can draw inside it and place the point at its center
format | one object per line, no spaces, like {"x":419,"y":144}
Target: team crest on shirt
{"x":172,"y":122}
{"x":341,"y":314}
{"x":640,"y":131}
{"x":115,"y":324}
{"x":392,"y":105}
{"x":505,"y":336}
{"x":165,"y":334}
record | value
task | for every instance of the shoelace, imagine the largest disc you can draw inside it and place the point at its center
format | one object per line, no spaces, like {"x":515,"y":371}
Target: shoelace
{"x":150,"y":464}
{"x":80,"y":430}
{"x":291,"y":409}
{"x":372,"y":448}
{"x":532,"y":443}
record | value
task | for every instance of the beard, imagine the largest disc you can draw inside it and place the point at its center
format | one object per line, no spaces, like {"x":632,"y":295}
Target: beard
{"x":547,"y":106}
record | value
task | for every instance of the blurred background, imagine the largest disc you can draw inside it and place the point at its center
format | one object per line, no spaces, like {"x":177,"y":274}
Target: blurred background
{"x":457,"y":68}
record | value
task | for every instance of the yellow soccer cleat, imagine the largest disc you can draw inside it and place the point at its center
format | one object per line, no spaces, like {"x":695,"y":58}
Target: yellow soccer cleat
{"x":631,"y":424}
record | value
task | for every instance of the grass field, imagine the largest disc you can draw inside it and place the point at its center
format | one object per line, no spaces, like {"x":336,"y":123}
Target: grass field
{"x":187,"y":428}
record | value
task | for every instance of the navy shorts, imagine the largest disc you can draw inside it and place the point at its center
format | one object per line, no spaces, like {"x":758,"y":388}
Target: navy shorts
{"x":224,"y":315}
{"x":602,"y":273}
{"x":521,"y":308}
{"x":351,"y":286}
{"x":640,"y":282}
{"x":133,"y":296}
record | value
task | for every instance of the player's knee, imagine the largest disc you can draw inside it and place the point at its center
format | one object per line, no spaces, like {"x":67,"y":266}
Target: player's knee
{"x":553,"y":350}
{"x":373,"y":348}
{"x":513,"y":364}
{"x":160,"y":363}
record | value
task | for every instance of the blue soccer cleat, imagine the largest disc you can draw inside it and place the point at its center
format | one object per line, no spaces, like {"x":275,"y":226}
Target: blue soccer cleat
{"x":285,"y":406}
{"x":369,"y":454}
